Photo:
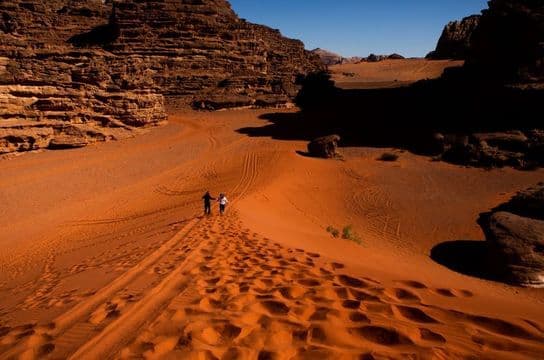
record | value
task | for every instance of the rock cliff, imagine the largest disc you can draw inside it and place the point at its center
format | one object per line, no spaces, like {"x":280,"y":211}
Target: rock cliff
{"x":74,"y":72}
{"x":456,"y":39}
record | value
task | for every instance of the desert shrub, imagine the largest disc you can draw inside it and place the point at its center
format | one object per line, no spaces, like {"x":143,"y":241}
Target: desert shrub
{"x":349,"y":234}
{"x":333,"y":231}
{"x":388,"y":157}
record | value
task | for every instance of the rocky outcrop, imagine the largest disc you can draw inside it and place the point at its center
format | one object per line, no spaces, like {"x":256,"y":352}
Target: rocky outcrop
{"x":528,"y":203}
{"x":202,"y":51}
{"x":324,"y":147}
{"x":378,"y":58}
{"x":54,"y":95}
{"x":515,"y":236}
{"x":329,"y":58}
{"x":508,"y":44}
{"x":73,"y":72}
{"x":516,"y":248}
{"x":504,"y":44}
{"x":395,"y":57}
{"x":456,"y":39}
{"x":511,"y":148}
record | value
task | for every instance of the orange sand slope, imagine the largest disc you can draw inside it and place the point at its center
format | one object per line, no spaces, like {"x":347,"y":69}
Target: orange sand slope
{"x":105,"y":254}
{"x":388,"y":73}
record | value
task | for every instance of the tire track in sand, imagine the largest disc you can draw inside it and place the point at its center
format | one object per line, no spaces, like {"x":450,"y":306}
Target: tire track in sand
{"x":249,"y":175}
{"x":122,"y":330}
{"x":76,"y":325}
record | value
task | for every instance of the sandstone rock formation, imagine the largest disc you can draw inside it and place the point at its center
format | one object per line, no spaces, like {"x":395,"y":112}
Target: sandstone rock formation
{"x":508,"y":44}
{"x":329,"y":58}
{"x":515,"y":234}
{"x":202,"y":50}
{"x":516,"y":248}
{"x":456,"y":39}
{"x":396,"y":56}
{"x":57,"y":96}
{"x":378,"y":58}
{"x":504,"y":44}
{"x":510,"y":148}
{"x":528,"y":203}
{"x":98,"y":70}
{"x":324,"y":147}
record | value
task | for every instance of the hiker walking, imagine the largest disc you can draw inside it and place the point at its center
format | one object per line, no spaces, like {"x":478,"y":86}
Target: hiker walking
{"x":207,"y":203}
{"x":223,"y":201}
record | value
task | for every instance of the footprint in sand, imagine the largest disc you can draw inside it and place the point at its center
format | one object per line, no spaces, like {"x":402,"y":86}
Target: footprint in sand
{"x":415,"y":314}
{"x":412,"y":284}
{"x":347,"y":280}
{"x":364,"y":296}
{"x":382,"y":335}
{"x":351,"y":304}
{"x":431,"y":336}
{"x":275,"y":307}
{"x":403,"y":295}
{"x":358,"y":317}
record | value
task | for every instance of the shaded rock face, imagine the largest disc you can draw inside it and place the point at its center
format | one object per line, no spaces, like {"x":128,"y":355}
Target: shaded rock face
{"x":456,"y":39}
{"x":528,"y":203}
{"x":508,"y":44}
{"x":516,"y":248}
{"x":324,"y":147}
{"x":498,"y":149}
{"x":105,"y":68}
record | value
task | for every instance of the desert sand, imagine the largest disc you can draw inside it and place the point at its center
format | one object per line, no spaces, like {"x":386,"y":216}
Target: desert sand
{"x":388,"y":73}
{"x":105,"y":253}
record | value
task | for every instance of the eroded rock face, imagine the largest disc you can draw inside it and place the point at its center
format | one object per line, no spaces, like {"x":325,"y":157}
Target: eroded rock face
{"x":201,"y":49}
{"x":456,"y":39}
{"x":54,"y":95}
{"x":105,"y":67}
{"x":516,"y":246}
{"x":324,"y":147}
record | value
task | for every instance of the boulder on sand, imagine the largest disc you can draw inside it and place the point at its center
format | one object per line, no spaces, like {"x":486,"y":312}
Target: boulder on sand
{"x":516,"y":248}
{"x":324,"y":147}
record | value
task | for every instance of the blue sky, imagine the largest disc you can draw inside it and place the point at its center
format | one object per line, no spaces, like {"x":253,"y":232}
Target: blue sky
{"x":360,"y":27}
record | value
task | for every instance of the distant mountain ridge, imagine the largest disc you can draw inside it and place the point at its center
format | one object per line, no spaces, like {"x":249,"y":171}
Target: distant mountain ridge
{"x":330,"y":58}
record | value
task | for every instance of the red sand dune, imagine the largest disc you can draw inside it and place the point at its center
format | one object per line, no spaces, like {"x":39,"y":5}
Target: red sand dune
{"x":105,"y":255}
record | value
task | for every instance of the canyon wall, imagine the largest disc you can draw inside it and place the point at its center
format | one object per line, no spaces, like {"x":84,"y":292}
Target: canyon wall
{"x":73,"y":72}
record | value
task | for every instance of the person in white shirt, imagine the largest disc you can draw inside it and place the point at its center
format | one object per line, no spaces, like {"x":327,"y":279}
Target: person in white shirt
{"x":223,"y":201}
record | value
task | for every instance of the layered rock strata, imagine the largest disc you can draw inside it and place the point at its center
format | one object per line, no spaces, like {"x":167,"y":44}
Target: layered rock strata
{"x":74,"y":72}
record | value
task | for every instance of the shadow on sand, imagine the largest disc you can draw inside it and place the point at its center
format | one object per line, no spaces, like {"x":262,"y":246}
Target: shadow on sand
{"x":467,"y":257}
{"x":405,"y":117}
